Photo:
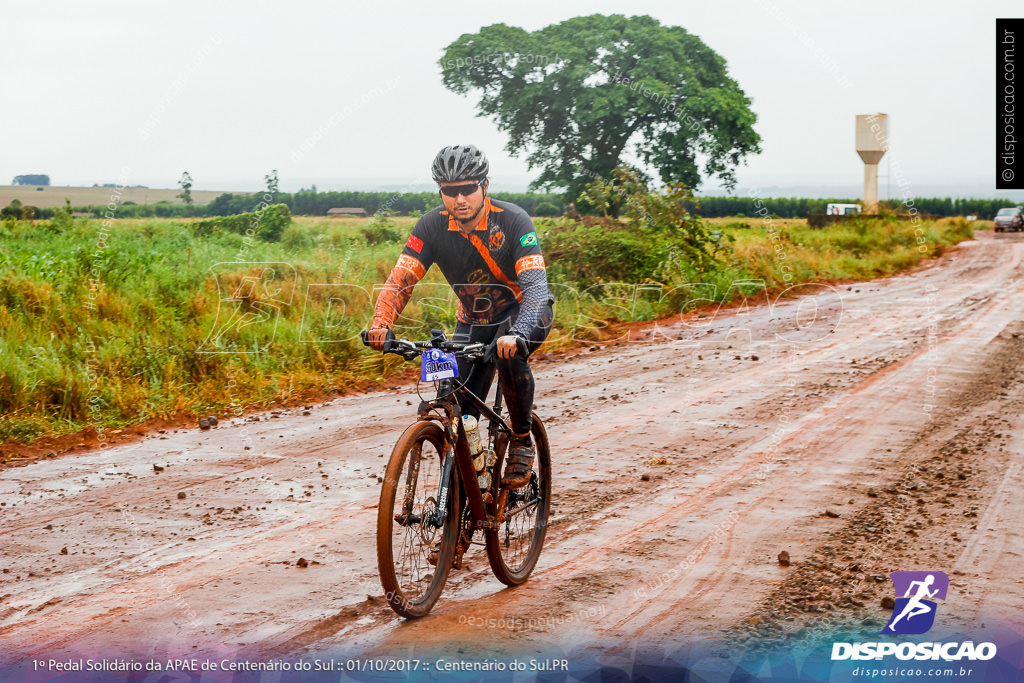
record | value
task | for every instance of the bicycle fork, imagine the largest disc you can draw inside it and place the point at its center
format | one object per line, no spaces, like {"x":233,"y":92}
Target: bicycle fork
{"x":438,"y":518}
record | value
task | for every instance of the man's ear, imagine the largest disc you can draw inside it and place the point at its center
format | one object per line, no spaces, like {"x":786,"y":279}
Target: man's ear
{"x":486,"y":185}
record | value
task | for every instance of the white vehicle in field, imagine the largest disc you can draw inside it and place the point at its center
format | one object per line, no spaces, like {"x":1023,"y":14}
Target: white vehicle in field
{"x":842,"y":209}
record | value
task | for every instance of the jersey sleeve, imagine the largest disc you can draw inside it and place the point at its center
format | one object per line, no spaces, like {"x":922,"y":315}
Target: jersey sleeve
{"x":531,"y":274}
{"x":417,"y":254}
{"x":413,"y":263}
{"x":526,"y":252}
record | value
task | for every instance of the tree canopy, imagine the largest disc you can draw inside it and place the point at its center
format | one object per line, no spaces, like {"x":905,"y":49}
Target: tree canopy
{"x":271,"y":180}
{"x":31,"y":179}
{"x":574,"y":95}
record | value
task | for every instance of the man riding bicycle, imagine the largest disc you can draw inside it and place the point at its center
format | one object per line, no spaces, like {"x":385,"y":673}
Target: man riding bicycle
{"x":488,"y":252}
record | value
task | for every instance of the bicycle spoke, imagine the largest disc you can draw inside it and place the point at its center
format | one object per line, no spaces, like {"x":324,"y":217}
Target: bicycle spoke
{"x":414,"y":557}
{"x":514,"y":547}
{"x":413,"y":511}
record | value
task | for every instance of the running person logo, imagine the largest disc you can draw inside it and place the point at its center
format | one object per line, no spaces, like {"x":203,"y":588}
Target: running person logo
{"x":916,"y":593}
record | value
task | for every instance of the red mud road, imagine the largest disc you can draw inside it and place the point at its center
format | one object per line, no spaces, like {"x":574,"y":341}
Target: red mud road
{"x":885,"y":436}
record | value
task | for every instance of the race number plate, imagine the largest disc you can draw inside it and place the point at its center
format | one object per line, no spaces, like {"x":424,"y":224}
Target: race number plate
{"x":438,"y":365}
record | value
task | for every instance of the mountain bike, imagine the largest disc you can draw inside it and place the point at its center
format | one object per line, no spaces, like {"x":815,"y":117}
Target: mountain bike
{"x":437,"y":494}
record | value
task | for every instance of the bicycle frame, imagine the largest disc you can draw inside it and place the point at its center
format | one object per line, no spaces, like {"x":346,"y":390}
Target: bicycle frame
{"x":457,"y":453}
{"x":495,"y":510}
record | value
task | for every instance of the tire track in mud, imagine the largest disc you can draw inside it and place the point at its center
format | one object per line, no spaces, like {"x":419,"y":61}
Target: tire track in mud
{"x":953,"y":505}
{"x":739,"y":482}
{"x":877,"y":395}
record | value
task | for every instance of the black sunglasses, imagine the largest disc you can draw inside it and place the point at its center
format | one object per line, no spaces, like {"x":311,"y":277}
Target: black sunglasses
{"x":464,"y":190}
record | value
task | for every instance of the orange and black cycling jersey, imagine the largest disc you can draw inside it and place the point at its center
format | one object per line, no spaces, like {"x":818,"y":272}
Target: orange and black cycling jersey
{"x":495,"y":269}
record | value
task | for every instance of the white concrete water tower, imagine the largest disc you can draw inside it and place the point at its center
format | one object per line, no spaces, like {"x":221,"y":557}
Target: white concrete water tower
{"x":872,"y":143}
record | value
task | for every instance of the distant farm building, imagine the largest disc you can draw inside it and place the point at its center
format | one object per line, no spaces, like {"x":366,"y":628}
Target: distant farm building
{"x":346,"y":212}
{"x":83,"y":214}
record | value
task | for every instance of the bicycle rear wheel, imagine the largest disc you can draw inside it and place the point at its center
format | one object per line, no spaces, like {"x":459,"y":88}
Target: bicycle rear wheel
{"x":514,"y":547}
{"x":405,"y":535}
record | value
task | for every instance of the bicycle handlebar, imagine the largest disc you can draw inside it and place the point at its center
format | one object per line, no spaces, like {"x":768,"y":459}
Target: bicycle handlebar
{"x":409,"y":349}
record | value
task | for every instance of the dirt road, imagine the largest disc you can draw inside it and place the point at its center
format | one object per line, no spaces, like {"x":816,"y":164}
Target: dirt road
{"x":885,"y":436}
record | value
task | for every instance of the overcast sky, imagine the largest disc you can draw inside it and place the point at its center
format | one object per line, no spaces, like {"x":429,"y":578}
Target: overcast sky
{"x":348,"y":95}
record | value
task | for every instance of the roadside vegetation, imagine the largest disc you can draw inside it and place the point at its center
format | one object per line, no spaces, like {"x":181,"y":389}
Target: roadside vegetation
{"x":111,"y":325}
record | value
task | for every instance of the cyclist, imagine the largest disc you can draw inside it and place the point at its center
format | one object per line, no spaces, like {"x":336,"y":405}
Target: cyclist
{"x":489,"y":253}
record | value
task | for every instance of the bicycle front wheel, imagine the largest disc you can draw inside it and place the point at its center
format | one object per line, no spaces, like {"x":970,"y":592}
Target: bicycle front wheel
{"x":414,"y":556}
{"x":514,"y":547}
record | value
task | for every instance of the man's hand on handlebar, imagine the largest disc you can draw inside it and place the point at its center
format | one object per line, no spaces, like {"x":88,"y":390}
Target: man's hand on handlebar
{"x":509,"y":345}
{"x":378,"y":337}
{"x":383,"y":339}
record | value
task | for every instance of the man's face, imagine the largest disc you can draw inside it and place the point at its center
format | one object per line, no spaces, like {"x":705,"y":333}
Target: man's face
{"x":465,"y":207}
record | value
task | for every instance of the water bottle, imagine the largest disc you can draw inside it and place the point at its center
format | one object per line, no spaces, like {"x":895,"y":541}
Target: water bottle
{"x":487,"y":459}
{"x":472,"y":435}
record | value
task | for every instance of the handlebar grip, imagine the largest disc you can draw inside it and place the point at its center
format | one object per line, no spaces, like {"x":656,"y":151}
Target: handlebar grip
{"x":388,"y":342}
{"x":521,"y":347}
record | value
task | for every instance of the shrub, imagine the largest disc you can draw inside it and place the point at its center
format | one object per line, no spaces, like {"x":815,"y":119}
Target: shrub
{"x":382,"y":228}
{"x":275,"y":219}
{"x":13,"y":210}
{"x":62,"y":220}
{"x":296,"y":238}
{"x":378,"y":233}
{"x":22,"y":430}
{"x":588,"y":254}
{"x":546,"y":209}
{"x":267,"y":223}
{"x":661,"y":217}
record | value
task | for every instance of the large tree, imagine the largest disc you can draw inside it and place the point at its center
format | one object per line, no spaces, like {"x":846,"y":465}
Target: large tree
{"x":574,"y":95}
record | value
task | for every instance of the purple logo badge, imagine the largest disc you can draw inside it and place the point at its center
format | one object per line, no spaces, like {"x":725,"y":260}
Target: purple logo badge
{"x":916,"y":595}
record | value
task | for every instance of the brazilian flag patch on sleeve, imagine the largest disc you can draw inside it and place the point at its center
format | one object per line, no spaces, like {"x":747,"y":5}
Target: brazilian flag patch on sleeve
{"x":529,"y":239}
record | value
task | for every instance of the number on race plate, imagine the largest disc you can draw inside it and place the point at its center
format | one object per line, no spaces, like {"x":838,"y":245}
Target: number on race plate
{"x":438,"y":365}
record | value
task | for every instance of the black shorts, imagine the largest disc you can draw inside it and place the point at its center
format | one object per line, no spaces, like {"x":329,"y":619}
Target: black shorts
{"x":515,"y":372}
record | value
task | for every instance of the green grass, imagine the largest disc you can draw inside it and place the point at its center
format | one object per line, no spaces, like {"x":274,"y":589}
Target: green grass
{"x":137,"y":346}
{"x":859,"y":250}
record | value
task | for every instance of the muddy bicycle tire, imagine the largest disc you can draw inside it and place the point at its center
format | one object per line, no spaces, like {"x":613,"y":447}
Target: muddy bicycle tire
{"x":411,"y":584}
{"x":514,"y":548}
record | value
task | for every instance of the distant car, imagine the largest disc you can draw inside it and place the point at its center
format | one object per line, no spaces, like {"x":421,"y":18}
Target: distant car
{"x":1010,"y":219}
